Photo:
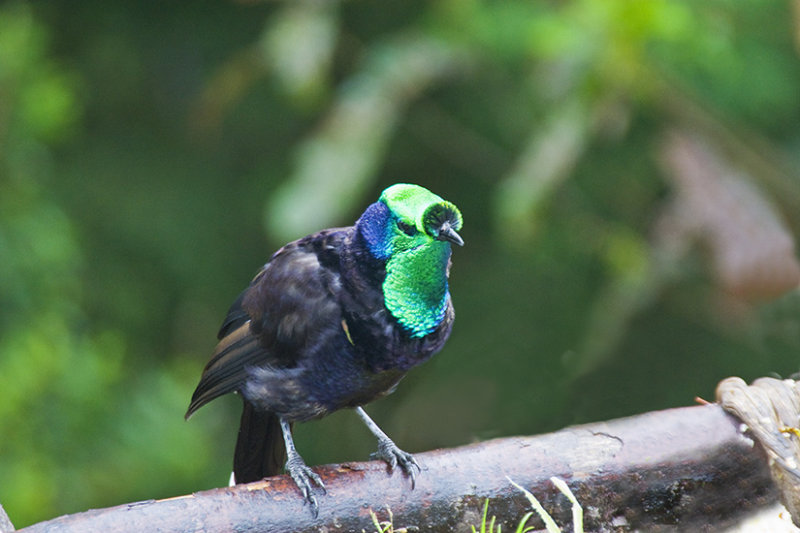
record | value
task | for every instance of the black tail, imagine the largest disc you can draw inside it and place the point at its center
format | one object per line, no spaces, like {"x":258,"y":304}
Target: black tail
{"x":260,"y":451}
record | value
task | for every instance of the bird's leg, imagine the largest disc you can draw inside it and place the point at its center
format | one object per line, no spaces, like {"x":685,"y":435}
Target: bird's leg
{"x":388,"y":450}
{"x":302,"y":475}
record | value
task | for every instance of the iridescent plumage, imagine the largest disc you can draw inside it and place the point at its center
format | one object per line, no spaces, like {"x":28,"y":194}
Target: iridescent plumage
{"x":335,"y":320}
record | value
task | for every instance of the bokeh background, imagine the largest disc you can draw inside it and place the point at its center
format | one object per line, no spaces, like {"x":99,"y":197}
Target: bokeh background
{"x":628,"y":174}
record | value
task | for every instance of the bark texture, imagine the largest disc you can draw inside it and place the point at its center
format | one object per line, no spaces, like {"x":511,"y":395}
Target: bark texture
{"x":682,"y":469}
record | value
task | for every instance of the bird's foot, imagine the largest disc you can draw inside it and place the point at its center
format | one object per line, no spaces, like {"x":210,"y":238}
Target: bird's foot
{"x":305,"y":478}
{"x":394,"y":456}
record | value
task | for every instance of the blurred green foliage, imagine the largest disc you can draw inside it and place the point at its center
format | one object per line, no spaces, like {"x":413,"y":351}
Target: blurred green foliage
{"x":153,"y":155}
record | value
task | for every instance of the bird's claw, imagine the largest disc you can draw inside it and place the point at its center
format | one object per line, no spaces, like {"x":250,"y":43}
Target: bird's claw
{"x":394,"y":456}
{"x":305,"y":478}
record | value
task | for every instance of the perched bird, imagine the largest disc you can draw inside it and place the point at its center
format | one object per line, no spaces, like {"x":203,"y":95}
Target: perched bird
{"x":335,"y":320}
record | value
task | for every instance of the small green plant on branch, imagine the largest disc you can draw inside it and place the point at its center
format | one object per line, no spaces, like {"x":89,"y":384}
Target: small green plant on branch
{"x":387,"y":526}
{"x":550,"y":524}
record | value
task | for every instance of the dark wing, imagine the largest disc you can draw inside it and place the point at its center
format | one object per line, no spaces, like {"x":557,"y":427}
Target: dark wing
{"x":236,"y":315}
{"x":275,"y":318}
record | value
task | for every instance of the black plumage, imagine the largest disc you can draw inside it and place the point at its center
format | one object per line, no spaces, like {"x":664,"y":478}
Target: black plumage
{"x":311,"y":334}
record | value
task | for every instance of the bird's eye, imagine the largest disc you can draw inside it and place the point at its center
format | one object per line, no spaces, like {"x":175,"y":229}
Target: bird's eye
{"x":406,"y":228}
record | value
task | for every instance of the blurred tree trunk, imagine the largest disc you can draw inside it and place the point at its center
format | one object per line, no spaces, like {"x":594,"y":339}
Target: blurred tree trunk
{"x":687,"y":468}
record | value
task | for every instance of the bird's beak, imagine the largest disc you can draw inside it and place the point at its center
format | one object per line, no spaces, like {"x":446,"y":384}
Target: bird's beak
{"x":447,"y":233}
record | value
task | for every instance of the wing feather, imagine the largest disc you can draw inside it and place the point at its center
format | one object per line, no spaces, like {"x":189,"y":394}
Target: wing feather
{"x":274,"y":319}
{"x":227,"y":369}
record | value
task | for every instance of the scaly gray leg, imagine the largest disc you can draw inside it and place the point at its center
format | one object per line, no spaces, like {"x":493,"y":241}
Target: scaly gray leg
{"x":388,"y":450}
{"x":302,"y":475}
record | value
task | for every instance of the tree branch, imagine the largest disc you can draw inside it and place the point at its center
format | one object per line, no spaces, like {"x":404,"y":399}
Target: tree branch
{"x":5,"y":523}
{"x":689,"y":466}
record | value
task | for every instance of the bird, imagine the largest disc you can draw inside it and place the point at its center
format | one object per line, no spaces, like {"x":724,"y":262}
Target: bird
{"x":335,"y":320}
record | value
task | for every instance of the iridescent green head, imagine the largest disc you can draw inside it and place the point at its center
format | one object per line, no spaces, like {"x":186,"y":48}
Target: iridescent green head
{"x":411,"y":229}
